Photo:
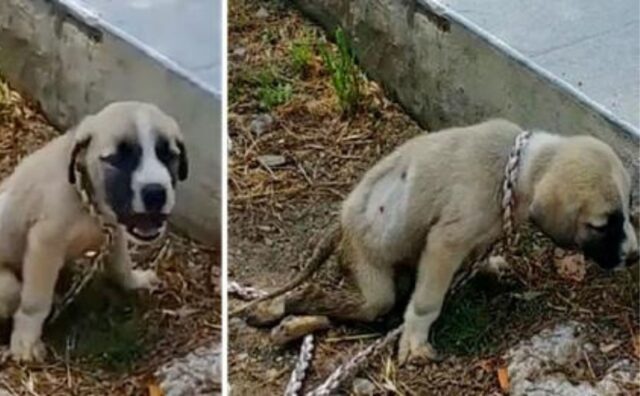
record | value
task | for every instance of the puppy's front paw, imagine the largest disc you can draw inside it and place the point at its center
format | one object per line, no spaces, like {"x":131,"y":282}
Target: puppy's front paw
{"x":24,"y":349}
{"x":144,"y":279}
{"x":414,"y":350}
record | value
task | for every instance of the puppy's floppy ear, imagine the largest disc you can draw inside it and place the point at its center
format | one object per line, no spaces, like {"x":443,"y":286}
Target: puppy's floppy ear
{"x":81,"y":139}
{"x":554,"y":212}
{"x":78,"y":146}
{"x":183,"y":161}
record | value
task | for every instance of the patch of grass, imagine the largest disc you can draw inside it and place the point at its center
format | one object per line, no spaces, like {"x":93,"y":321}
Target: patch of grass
{"x":103,"y":327}
{"x":345,"y":76}
{"x":474,"y":322}
{"x":272,"y":91}
{"x":301,"y":54}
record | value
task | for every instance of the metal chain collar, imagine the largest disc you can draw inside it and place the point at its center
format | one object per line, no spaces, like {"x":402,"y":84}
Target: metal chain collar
{"x":85,"y":191}
{"x":328,"y":387}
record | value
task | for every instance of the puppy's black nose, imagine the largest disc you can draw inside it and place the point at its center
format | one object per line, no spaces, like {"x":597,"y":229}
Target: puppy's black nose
{"x":154,"y":197}
{"x":632,"y":258}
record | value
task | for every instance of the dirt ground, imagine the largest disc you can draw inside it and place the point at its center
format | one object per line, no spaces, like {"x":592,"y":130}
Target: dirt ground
{"x":279,"y":207}
{"x":108,"y":342}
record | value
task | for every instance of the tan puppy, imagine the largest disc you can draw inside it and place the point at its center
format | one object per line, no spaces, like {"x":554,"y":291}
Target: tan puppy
{"x":133,"y":154}
{"x":435,"y":202}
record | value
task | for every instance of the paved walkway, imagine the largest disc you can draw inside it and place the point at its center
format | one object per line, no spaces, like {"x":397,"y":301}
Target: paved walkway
{"x":591,"y":44}
{"x":188,"y":32}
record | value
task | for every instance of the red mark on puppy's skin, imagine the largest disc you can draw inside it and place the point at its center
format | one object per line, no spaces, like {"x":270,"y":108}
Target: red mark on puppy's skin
{"x":382,"y":209}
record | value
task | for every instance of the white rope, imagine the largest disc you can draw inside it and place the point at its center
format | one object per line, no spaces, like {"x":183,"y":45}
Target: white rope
{"x":345,"y":370}
{"x":294,"y":386}
{"x":507,"y":204}
{"x":300,"y":371}
{"x":244,"y":292}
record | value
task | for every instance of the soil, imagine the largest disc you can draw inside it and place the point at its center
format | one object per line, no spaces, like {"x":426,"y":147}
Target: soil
{"x":277,"y":212}
{"x":108,"y":342}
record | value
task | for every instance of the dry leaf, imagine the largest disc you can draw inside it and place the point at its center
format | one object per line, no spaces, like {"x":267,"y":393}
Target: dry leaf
{"x":154,"y":390}
{"x":503,"y":379}
{"x":636,"y":345}
{"x":572,"y":267}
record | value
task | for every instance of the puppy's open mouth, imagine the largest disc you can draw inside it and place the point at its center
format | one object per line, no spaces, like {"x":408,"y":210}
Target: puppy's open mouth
{"x":145,"y":227}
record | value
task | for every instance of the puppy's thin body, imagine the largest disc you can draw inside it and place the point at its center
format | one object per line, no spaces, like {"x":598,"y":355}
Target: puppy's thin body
{"x":435,"y":202}
{"x":43,"y":222}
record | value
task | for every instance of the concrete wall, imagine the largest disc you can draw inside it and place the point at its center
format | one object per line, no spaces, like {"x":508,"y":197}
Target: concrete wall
{"x":445,"y":71}
{"x":73,"y":66}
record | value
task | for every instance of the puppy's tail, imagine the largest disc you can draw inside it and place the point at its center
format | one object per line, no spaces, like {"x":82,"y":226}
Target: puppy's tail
{"x":321,"y":254}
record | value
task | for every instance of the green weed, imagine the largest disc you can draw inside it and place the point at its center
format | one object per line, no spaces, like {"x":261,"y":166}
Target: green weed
{"x":344,"y":73}
{"x":301,"y":54}
{"x":475,"y":320}
{"x":272,"y":91}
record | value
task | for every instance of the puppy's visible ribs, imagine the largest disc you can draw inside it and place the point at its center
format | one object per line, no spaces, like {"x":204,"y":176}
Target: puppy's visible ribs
{"x":321,"y":254}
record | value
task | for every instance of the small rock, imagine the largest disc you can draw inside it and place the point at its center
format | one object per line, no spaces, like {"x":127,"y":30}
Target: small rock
{"x":262,"y":13}
{"x":240,"y":52}
{"x":294,"y":327}
{"x":267,"y":312}
{"x":242,"y":356}
{"x":261,"y":124}
{"x":197,"y":373}
{"x":362,"y":386}
{"x":272,"y":161}
{"x":561,"y":346}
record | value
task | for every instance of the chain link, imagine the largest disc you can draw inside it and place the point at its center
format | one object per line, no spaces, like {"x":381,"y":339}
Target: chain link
{"x":85,"y":191}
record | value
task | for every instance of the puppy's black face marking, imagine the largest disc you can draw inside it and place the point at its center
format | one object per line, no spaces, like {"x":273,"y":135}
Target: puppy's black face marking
{"x":604,"y":243}
{"x":118,"y":170}
{"x":167,"y":157}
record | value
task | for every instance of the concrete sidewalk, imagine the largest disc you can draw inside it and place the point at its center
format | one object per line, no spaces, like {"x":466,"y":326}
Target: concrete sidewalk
{"x":188,"y":32}
{"x":592,"y":45}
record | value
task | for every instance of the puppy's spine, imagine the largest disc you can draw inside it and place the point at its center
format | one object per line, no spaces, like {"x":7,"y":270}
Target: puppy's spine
{"x":321,"y":254}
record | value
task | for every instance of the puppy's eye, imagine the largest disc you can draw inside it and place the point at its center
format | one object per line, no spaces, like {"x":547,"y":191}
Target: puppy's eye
{"x":126,"y":156}
{"x":597,"y":228}
{"x":163,"y":151}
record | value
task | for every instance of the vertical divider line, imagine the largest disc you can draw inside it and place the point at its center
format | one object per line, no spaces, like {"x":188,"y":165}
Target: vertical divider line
{"x":224,"y":351}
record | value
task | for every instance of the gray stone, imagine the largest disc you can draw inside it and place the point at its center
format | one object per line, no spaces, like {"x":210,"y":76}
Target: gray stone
{"x":272,"y":161}
{"x":533,"y":365}
{"x":197,"y":373}
{"x":362,"y":386}
{"x":262,"y":13}
{"x":261,"y":124}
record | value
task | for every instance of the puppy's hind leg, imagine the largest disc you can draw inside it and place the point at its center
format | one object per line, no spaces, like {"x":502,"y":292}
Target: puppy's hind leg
{"x":375,"y":295}
{"x":9,"y":293}
{"x":42,"y":262}
{"x":120,"y":268}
